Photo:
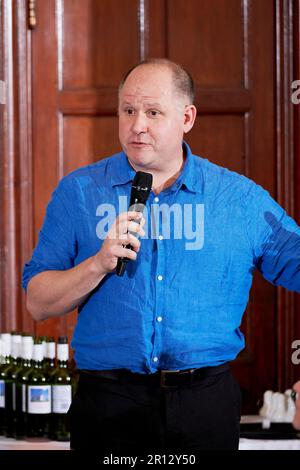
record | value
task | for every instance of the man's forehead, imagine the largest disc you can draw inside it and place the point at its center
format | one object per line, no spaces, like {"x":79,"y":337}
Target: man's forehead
{"x":152,"y":72}
{"x":141,"y":82}
{"x":129,"y":97}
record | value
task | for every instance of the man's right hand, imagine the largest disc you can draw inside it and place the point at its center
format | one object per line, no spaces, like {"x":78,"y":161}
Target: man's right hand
{"x":120,"y":235}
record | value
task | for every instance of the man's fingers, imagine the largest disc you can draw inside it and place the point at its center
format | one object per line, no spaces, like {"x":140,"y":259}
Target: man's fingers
{"x":133,"y":227}
{"x":127,"y":226}
{"x":134,"y":242}
{"x":125,"y":231}
{"x":129,"y":239}
{"x":122,"y":252}
{"x":130,"y":215}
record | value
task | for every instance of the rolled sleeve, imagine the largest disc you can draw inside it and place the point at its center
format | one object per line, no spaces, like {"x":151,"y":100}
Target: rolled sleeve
{"x":56,"y":246}
{"x":275,"y":238}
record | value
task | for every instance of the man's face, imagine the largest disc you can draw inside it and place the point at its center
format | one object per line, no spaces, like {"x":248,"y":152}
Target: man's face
{"x":151,"y":119}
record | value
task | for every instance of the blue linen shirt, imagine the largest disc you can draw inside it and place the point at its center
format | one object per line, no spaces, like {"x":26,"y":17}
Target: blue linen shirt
{"x":180,"y":304}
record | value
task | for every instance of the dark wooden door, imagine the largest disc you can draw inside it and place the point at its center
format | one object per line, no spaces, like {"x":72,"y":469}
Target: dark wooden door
{"x":79,"y":50}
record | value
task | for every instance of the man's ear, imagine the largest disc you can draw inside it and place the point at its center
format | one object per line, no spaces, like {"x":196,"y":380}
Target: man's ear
{"x":190,"y":114}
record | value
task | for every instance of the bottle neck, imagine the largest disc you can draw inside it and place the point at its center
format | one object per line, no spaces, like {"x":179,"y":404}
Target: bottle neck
{"x":50,"y":352}
{"x":62,"y":352}
{"x":38,"y":355}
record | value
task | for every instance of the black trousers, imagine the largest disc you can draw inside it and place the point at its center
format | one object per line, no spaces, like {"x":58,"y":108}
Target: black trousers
{"x":108,"y":415}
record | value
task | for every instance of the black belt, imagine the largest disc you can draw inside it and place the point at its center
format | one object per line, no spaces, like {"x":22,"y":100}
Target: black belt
{"x":163,"y":378}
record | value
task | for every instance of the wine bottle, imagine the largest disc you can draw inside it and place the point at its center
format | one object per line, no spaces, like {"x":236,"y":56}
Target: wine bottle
{"x":6,"y":360}
{"x":15,"y":371}
{"x":10,"y":398}
{"x":62,"y":392}
{"x":38,"y":396}
{"x":21,"y":381}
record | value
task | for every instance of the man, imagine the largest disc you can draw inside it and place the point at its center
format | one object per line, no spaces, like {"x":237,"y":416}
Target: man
{"x":296,"y":420}
{"x":153,"y":346}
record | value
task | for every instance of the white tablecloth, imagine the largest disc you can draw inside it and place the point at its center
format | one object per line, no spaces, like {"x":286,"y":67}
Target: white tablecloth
{"x":268,"y":444}
{"x":32,"y":444}
{"x":245,"y":444}
{"x":265,"y":444}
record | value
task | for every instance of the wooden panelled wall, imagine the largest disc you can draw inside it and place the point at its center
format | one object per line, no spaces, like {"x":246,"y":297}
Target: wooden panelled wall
{"x":60,"y":113}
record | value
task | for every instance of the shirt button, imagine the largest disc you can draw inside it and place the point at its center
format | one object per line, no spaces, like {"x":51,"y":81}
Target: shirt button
{"x":160,"y":278}
{"x":159,"y":319}
{"x":156,"y":199}
{"x":155,"y":359}
{"x":160,"y":237}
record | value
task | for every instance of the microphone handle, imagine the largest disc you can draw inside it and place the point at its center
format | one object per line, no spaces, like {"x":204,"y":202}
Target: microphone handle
{"x":121,"y":264}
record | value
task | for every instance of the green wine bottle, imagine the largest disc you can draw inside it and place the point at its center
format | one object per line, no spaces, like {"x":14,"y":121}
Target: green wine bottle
{"x":62,"y":392}
{"x":38,"y":396}
{"x":10,"y":397}
{"x":5,"y":364}
{"x":21,"y":380}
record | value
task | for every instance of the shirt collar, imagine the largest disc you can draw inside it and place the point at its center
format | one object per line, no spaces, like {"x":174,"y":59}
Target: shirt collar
{"x":188,"y":177}
{"x":123,"y":173}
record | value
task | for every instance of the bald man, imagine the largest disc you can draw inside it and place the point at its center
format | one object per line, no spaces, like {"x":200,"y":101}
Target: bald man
{"x":153,"y":347}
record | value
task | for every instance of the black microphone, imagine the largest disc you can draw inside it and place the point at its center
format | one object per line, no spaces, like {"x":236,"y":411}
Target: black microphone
{"x":140,"y":190}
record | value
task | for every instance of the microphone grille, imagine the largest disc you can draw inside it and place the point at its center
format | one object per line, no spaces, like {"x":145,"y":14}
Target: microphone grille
{"x":141,"y":187}
{"x":142,"y":179}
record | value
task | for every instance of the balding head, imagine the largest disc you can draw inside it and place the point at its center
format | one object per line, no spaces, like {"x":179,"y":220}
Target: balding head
{"x":154,"y":114}
{"x":181,"y":79}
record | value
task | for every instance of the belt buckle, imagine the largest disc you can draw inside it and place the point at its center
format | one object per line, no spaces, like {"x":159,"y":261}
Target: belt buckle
{"x":164,"y":374}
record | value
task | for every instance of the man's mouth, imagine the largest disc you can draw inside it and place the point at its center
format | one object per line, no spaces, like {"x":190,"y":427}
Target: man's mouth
{"x":138,"y":144}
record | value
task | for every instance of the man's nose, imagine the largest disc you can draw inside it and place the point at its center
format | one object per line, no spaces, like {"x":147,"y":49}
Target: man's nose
{"x":139,"y":124}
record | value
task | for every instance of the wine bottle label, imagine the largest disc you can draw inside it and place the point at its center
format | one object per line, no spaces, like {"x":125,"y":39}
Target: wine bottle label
{"x":39,"y":399}
{"x":24,"y":398}
{"x":62,"y":397}
{"x":2,"y":394}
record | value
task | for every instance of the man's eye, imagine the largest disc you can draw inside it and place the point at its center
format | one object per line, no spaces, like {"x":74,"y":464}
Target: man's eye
{"x":129,"y":111}
{"x":153,"y":113}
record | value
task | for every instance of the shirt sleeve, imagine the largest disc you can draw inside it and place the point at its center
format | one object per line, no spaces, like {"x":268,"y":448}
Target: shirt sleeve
{"x":56,"y":246}
{"x":275,"y":239}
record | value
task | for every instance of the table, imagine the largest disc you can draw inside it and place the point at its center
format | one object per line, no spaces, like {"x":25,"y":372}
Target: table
{"x":291,"y":443}
{"x":32,"y":444}
{"x":269,"y":444}
{"x":245,"y":444}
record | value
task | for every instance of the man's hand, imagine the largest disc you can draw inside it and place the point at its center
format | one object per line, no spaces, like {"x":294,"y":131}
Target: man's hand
{"x":117,"y":238}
